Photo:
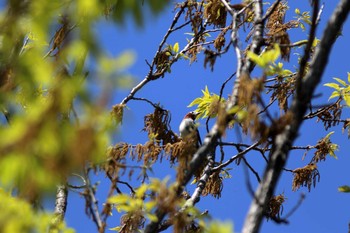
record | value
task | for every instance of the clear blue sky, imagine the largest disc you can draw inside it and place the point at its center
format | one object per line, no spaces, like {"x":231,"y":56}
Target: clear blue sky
{"x":324,"y":210}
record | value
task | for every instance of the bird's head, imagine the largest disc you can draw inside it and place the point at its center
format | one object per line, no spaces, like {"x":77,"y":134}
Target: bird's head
{"x":191,"y":115}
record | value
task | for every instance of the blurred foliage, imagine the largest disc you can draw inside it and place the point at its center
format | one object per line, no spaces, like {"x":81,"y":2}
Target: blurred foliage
{"x":267,"y":58}
{"x":219,"y":227}
{"x":17,"y":215}
{"x":120,"y":10}
{"x":56,"y":118}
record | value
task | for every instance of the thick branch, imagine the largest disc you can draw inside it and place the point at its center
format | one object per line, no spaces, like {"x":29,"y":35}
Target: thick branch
{"x":255,"y":48}
{"x":201,"y":183}
{"x":60,"y":207}
{"x":283,"y":141}
{"x":61,"y":201}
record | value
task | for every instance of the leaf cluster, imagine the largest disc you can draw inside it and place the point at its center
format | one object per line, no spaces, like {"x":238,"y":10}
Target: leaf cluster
{"x":208,"y":104}
{"x":342,"y":90}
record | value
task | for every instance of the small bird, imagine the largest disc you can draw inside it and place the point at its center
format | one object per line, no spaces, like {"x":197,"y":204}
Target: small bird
{"x":188,"y":126}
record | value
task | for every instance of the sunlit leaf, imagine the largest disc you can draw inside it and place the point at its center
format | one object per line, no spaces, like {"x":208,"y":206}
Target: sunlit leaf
{"x":342,"y":82}
{"x":347,"y":99}
{"x":256,"y":59}
{"x":118,"y":228}
{"x":334,"y":95}
{"x":271,"y":55}
{"x":150,"y":205}
{"x":176,"y":47}
{"x":344,"y":189}
{"x":332,"y":85}
{"x":315,"y":42}
{"x":219,"y":227}
{"x":195,"y":102}
{"x":140,"y":192}
{"x":265,"y":58}
{"x":119,"y":199}
{"x":329,"y":135}
{"x":151,"y":217}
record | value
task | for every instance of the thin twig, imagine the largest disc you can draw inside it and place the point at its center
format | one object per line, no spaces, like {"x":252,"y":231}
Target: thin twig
{"x":150,"y":102}
{"x":251,"y":169}
{"x":92,"y":204}
{"x":307,"y":51}
{"x":150,"y":76}
{"x":7,"y":115}
{"x":224,"y":84}
{"x":300,"y":201}
{"x":233,"y":158}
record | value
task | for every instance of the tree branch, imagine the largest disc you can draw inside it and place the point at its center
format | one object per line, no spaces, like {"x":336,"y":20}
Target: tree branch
{"x":255,"y":48}
{"x":150,"y":75}
{"x":60,"y":207}
{"x":283,"y":141}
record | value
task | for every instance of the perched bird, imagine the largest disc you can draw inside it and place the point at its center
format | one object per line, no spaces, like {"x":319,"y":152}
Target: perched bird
{"x":188,"y":126}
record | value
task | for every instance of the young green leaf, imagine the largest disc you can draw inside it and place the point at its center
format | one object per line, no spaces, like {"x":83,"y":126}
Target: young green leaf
{"x":332,"y":85}
{"x":334,"y":95}
{"x":176,"y":47}
{"x":344,"y":189}
{"x":342,"y":82}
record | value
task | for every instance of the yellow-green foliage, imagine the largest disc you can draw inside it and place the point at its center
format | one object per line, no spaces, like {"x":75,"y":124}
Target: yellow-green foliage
{"x":208,"y":104}
{"x":219,"y":227}
{"x":342,"y":90}
{"x":344,"y":189}
{"x":136,"y":207}
{"x":17,"y":215}
{"x":56,"y":111}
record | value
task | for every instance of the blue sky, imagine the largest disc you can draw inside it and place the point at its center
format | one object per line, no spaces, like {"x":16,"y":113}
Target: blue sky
{"x":324,"y":209}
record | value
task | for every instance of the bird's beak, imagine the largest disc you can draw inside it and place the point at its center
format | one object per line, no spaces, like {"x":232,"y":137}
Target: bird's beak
{"x":196,"y":114}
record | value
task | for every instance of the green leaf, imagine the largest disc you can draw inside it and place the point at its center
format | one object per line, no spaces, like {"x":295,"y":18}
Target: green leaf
{"x":332,"y":85}
{"x":119,"y":199}
{"x":124,"y":60}
{"x":334,"y":94}
{"x":271,"y":55}
{"x":140,"y":192}
{"x":341,"y":82}
{"x":150,"y":205}
{"x":151,"y":217}
{"x":266,"y":58}
{"x":329,"y":135}
{"x":297,"y":11}
{"x":221,"y":227}
{"x":348,"y":77}
{"x":196,"y":101}
{"x":241,"y":115}
{"x":124,"y":207}
{"x":256,"y":59}
{"x":108,"y":65}
{"x":315,"y":42}
{"x":306,"y":20}
{"x":176,"y":47}
{"x":118,"y":228}
{"x":344,"y":189}
{"x":347,"y":99}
